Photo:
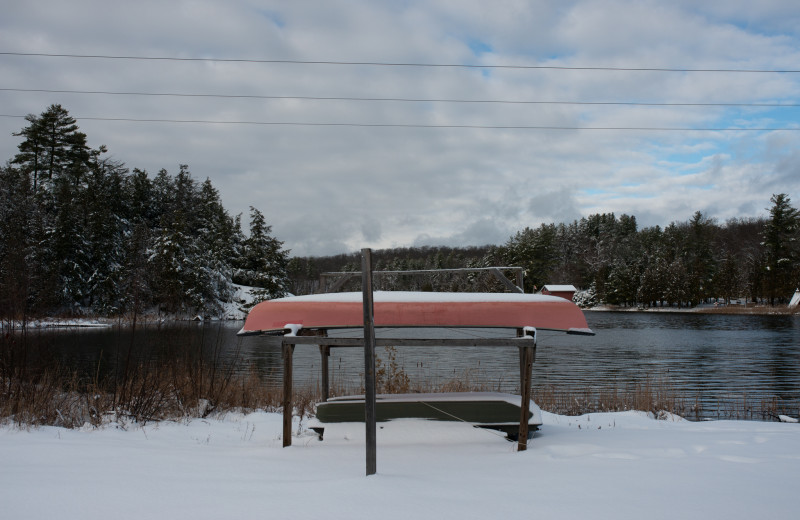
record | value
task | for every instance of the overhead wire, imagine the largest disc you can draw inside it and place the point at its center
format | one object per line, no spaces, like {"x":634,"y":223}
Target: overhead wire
{"x":399,"y":99}
{"x":423,"y":125}
{"x":396,"y":64}
{"x":409,"y":100}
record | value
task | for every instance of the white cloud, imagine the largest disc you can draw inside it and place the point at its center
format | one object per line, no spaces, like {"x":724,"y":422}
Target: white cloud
{"x":334,"y":189}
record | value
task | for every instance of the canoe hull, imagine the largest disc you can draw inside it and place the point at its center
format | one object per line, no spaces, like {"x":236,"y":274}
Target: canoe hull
{"x":408,"y":309}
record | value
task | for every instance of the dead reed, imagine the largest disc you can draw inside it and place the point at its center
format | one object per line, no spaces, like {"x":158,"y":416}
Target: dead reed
{"x":192,"y":382}
{"x":654,"y":396}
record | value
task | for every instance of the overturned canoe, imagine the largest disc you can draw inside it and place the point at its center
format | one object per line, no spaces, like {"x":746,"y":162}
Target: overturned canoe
{"x":417,"y":309}
{"x":490,"y":410}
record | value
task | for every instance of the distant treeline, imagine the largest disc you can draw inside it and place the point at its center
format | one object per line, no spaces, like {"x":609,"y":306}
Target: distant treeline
{"x":81,"y":233}
{"x":684,"y":263}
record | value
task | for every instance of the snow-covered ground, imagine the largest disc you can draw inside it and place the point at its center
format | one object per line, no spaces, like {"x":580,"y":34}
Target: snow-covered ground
{"x":618,"y":465}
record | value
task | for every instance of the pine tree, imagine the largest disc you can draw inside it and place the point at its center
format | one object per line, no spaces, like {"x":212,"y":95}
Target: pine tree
{"x":700,"y":261}
{"x":17,"y":273}
{"x":534,"y":250}
{"x":216,"y":235}
{"x":263,"y":263}
{"x":781,"y":246}
{"x":52,"y":148}
{"x":55,"y":157}
{"x":171,"y":278}
{"x":140,"y":196}
{"x":108,"y":215}
{"x":80,"y":232}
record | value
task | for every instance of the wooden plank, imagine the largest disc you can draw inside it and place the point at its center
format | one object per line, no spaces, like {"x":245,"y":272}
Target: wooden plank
{"x":505,"y":281}
{"x":376,"y":274}
{"x":288,"y":350}
{"x":409,"y":342}
{"x":369,"y":363}
{"x":338,"y":284}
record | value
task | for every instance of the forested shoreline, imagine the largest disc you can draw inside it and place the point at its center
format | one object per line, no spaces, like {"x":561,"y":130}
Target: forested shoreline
{"x":82,"y":234}
{"x":611,"y":259}
{"x":684,"y":263}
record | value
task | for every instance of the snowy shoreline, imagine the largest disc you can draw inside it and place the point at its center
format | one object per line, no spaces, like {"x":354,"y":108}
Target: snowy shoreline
{"x":67,"y":323}
{"x":762,"y":310}
{"x":622,"y":465}
{"x":231,"y":311}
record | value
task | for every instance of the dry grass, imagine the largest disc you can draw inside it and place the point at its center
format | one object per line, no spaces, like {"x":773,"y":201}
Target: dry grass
{"x":185,"y":386}
{"x":189,"y":382}
{"x":649,"y":396}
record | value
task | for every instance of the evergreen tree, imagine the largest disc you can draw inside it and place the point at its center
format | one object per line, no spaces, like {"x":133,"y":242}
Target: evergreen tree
{"x":263,"y":264}
{"x":173,"y":280}
{"x":781,"y":247}
{"x":136,"y":280}
{"x":108,"y":223}
{"x":217,"y":237}
{"x":652,"y":282}
{"x":700,"y":262}
{"x":55,"y":157}
{"x":52,"y":148}
{"x":17,"y":272}
{"x":141,"y":199}
{"x":162,"y":203}
{"x":535,"y":251}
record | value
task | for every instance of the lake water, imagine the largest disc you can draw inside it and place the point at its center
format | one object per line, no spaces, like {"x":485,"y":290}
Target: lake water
{"x":718,"y":360}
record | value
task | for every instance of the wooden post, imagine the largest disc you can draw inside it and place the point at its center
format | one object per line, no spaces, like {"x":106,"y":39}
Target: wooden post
{"x":325,"y":353}
{"x":525,"y":390}
{"x":527,"y":356}
{"x":287,"y":352}
{"x":369,"y":361}
{"x":520,"y":334}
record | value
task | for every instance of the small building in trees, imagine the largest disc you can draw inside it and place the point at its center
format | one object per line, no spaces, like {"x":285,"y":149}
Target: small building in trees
{"x":562,"y":291}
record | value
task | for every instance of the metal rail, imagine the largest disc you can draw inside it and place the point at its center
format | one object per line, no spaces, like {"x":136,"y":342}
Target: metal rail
{"x":346,"y":276}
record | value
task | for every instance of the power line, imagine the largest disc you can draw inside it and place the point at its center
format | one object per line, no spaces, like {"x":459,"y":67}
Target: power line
{"x":433,"y":126}
{"x":405,"y":100}
{"x":394,"y":64}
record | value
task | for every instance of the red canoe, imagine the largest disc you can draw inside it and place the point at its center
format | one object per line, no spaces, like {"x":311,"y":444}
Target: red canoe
{"x":417,"y":309}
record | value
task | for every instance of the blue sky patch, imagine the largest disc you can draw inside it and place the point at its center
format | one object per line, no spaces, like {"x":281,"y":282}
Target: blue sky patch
{"x":272,"y":16}
{"x":478,"y":47}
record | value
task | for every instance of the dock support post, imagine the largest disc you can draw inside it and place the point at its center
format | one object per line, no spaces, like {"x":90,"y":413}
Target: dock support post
{"x":287,"y":352}
{"x":527,"y":354}
{"x":369,"y":361}
{"x":325,"y":353}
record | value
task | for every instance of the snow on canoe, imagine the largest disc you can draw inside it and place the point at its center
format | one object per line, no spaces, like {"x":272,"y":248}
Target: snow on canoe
{"x":417,"y":309}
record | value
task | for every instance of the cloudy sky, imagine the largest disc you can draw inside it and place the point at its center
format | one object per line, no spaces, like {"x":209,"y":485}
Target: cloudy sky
{"x":534,"y":113}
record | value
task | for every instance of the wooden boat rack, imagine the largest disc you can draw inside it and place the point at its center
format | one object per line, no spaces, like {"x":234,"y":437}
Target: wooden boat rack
{"x":525,"y":342}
